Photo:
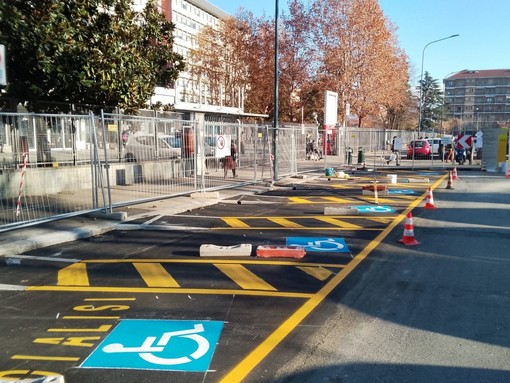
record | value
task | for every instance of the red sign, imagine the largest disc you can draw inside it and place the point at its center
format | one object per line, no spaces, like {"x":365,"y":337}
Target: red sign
{"x":463,"y":141}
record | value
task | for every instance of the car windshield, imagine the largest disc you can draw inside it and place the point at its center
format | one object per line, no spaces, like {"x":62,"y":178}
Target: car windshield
{"x":419,"y":144}
{"x":211,"y":141}
{"x":174,"y":142}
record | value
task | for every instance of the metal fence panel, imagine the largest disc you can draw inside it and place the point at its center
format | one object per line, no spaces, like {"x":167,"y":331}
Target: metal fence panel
{"x":54,"y":166}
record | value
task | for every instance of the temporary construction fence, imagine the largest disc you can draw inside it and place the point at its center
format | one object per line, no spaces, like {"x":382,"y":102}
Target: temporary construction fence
{"x":55,"y":166}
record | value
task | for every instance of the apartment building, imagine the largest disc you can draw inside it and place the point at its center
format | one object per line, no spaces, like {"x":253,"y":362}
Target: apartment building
{"x":477,"y":97}
{"x":189,"y":17}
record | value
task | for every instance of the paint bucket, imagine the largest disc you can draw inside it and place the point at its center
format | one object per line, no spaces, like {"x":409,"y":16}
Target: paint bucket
{"x":392,"y":178}
{"x":329,"y":172}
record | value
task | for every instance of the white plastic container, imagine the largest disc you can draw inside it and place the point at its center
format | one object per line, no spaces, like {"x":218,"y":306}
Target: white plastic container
{"x":392,"y":178}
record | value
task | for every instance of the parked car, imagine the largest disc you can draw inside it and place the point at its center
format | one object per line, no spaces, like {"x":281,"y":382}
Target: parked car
{"x":421,"y":149}
{"x":144,"y":147}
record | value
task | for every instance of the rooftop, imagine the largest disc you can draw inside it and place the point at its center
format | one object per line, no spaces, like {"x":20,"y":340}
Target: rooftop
{"x":467,"y":73}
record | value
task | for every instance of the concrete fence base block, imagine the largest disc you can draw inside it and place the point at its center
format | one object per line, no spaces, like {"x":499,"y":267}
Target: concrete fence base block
{"x":116,"y":215}
{"x":205,"y":195}
{"x":331,"y":210}
{"x":416,"y":180}
{"x":242,"y":250}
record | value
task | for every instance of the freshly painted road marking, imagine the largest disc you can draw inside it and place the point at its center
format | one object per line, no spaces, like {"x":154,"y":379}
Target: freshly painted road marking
{"x":244,"y":277}
{"x":73,"y":275}
{"x":285,"y":222}
{"x":162,"y":290}
{"x":234,"y":222}
{"x":155,"y":275}
{"x":319,"y":244}
{"x":336,"y":199}
{"x":373,"y":209}
{"x":339,"y":223}
{"x":170,"y":345}
{"x":317,"y":272}
{"x":47,"y":358}
{"x":259,"y":353}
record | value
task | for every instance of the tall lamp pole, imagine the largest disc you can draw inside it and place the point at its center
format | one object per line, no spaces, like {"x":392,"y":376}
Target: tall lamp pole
{"x":421,"y":78}
{"x":275,"y":114}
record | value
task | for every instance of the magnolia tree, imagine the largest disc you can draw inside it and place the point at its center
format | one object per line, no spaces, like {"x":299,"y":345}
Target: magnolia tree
{"x":88,"y":52}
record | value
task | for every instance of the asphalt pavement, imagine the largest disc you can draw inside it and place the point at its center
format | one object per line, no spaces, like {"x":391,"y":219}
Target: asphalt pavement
{"x":16,"y":242}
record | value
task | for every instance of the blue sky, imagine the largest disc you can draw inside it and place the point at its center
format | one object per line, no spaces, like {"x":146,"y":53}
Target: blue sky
{"x":483,"y":26}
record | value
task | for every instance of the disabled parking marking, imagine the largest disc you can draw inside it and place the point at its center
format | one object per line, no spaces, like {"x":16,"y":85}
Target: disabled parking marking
{"x":402,"y":191}
{"x":373,"y":209}
{"x":158,"y":345}
{"x":319,"y":244}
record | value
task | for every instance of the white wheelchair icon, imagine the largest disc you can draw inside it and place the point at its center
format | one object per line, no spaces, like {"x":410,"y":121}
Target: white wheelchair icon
{"x":324,"y":245}
{"x":147,"y":349}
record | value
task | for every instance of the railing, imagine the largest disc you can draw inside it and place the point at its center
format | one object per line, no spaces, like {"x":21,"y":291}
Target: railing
{"x":57,"y":166}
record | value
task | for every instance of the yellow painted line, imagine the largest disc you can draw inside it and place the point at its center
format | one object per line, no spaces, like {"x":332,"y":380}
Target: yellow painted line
{"x":155,"y":275}
{"x":110,"y":299}
{"x":244,"y":277}
{"x":239,"y":372}
{"x":234,"y":222}
{"x":337,"y":200}
{"x":155,"y":290}
{"x":299,"y":200}
{"x":73,"y":275}
{"x":380,"y":219}
{"x":317,"y":272}
{"x":80,"y":317}
{"x":380,"y":199}
{"x":339,"y":223}
{"x":50,"y":358}
{"x":285,"y":222}
{"x":252,"y":261}
{"x":102,"y":328}
{"x":302,"y":228}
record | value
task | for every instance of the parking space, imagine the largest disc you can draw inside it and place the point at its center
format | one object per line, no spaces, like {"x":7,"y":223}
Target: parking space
{"x":131,"y":292}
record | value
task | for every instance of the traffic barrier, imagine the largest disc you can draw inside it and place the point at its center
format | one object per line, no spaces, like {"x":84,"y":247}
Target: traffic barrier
{"x":429,"y":203}
{"x":371,"y":189}
{"x":242,"y":250}
{"x":450,"y":181}
{"x":454,"y":174}
{"x":271,"y":251}
{"x":408,"y":237}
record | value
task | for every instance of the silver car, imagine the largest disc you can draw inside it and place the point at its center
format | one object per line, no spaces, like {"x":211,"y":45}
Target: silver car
{"x":145,"y":147}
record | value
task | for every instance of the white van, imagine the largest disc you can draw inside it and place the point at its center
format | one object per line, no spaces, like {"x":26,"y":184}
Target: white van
{"x":434,"y":144}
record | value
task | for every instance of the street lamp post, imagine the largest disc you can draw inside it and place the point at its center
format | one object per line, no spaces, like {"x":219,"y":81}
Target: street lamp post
{"x":421,"y":77}
{"x":275,"y":114}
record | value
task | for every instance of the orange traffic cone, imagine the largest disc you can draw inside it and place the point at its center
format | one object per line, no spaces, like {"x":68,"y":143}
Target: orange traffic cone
{"x":429,"y":203}
{"x":408,"y":238}
{"x":454,"y":176}
{"x":449,"y":185}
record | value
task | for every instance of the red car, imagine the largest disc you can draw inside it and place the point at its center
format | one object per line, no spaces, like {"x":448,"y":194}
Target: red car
{"x":422,"y":149}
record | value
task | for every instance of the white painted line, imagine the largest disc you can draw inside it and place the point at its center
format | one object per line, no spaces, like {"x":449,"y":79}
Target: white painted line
{"x":17,"y":258}
{"x":4,"y":287}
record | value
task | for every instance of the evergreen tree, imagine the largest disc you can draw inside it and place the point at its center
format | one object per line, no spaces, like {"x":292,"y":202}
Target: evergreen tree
{"x":431,"y":102}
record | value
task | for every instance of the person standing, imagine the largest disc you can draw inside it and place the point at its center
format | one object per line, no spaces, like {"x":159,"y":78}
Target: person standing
{"x":230,"y":161}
